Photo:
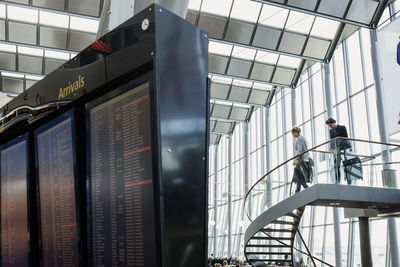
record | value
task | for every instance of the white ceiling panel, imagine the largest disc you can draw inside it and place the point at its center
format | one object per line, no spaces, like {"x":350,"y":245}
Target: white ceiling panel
{"x":12,"y":85}
{"x":214,"y":26}
{"x":221,"y":111}
{"x":51,"y":4}
{"x":22,"y":33}
{"x":79,"y":41}
{"x":2,"y":30}
{"x":25,"y":2}
{"x":55,"y":38}
{"x":223,"y":127}
{"x":258,"y":97}
{"x":239,"y":94}
{"x":239,"y":32}
{"x":30,"y":64}
{"x":51,"y":65}
{"x":219,"y":90}
{"x":7,"y":61}
{"x":239,"y":113}
{"x":87,"y":7}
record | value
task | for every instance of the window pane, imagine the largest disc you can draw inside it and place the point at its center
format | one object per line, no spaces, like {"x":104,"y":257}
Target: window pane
{"x":318,"y":93}
{"x":339,"y":71}
{"x":354,"y":56}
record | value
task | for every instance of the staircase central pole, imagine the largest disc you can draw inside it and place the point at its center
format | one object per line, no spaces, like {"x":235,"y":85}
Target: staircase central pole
{"x":336,"y":216}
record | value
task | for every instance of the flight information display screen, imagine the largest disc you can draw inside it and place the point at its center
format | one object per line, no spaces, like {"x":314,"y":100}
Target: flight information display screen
{"x":58,"y":220}
{"x":121,"y":178}
{"x":14,"y":216}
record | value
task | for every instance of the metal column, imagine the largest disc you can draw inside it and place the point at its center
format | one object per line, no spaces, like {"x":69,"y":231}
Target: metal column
{"x":314,"y":138}
{"x":328,"y":90}
{"x":268,"y":201}
{"x":229,"y":215}
{"x":246,"y":164}
{"x":215,"y":198}
{"x":294,"y":112}
{"x":285,"y":151}
{"x":365,"y":242}
{"x":336,"y":217}
{"x":348,"y":87}
{"x":393,"y":242}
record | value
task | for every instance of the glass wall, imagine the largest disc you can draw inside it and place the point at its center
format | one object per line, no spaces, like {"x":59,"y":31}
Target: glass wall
{"x":354,"y":105}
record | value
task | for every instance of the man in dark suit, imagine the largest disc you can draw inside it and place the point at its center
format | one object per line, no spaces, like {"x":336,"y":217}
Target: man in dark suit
{"x":398,"y":52}
{"x":338,"y":146}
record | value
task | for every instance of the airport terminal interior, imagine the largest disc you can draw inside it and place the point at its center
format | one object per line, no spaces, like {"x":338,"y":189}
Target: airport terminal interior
{"x":303,"y":123}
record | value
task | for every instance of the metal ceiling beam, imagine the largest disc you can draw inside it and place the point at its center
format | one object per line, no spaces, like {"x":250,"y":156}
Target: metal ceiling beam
{"x":37,"y":47}
{"x":220,"y":133}
{"x":378,"y":13}
{"x":309,"y":12}
{"x":225,"y":120}
{"x":249,"y":80}
{"x":238,"y":102}
{"x":298,"y":74}
{"x":335,"y":42}
{"x":271,"y":97}
{"x":266,"y":50}
{"x":56,"y":11}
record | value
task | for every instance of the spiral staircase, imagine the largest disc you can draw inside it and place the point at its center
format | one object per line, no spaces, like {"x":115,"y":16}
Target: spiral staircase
{"x":274,"y":236}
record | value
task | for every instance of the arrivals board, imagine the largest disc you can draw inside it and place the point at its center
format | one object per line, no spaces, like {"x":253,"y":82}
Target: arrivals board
{"x":58,"y":216}
{"x":14,"y":214}
{"x":121,"y":181}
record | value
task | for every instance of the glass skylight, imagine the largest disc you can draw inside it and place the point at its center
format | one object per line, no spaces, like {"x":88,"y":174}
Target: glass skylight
{"x":194,"y":5}
{"x":54,"y":19}
{"x":289,"y":62}
{"x":2,"y":11}
{"x":245,"y":10}
{"x":220,"y":48}
{"x":84,"y":25}
{"x":8,"y":48}
{"x":30,"y":51}
{"x":22,"y":14}
{"x":299,"y":22}
{"x":324,"y":28}
{"x":273,"y":16}
{"x":266,"y":57}
{"x":243,"y":53}
{"x":217,"y":7}
{"x":56,"y":55}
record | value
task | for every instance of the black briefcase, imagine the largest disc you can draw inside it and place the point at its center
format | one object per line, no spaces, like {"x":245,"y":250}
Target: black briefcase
{"x":353,"y":168}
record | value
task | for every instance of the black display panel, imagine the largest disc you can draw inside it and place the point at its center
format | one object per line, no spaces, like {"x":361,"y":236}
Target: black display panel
{"x":56,"y":179}
{"x":14,"y":211}
{"x":122,"y":215}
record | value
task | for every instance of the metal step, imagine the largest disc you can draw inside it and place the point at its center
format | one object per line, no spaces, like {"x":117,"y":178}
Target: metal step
{"x":284,"y":222}
{"x":267,"y":246}
{"x":270,"y":238}
{"x":268,"y":253}
{"x":295,"y":215}
{"x":278,"y":230}
{"x":271,"y":260}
